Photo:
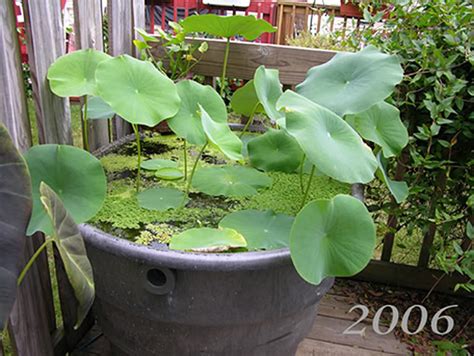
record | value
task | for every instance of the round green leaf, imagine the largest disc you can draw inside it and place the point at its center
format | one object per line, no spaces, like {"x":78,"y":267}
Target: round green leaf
{"x":137,"y":91}
{"x":221,"y":136}
{"x":158,"y":163}
{"x":187,"y":122}
{"x":98,"y":108}
{"x":245,"y":100}
{"x":268,"y":89}
{"x":352,"y":82}
{"x":381,"y":124}
{"x":161,"y":199}
{"x":74,"y":174}
{"x":227,"y":26}
{"x":332,"y":238}
{"x":207,"y":240}
{"x":74,"y":73}
{"x":230,"y":181}
{"x":261,"y":229}
{"x":275,"y":150}
{"x":169,"y":173}
{"x":328,"y":141}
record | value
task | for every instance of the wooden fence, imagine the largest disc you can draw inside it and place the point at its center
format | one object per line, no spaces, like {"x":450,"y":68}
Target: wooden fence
{"x":33,"y":327}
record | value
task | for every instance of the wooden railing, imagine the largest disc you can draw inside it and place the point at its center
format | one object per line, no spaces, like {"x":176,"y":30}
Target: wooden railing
{"x":33,"y":328}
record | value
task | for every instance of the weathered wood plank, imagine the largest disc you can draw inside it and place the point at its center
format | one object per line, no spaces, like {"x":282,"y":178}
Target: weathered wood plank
{"x":138,"y":20}
{"x":309,"y":347}
{"x":120,"y":42}
{"x":13,"y":109}
{"x":46,"y":42}
{"x":88,"y":30}
{"x":330,"y":330}
{"x":28,"y":320}
{"x":336,"y":307}
{"x":246,"y":57}
{"x":405,"y":276}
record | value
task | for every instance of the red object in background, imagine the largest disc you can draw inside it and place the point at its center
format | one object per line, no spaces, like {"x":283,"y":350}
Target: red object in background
{"x":350,"y":9}
{"x":263,"y":9}
{"x":20,"y":25}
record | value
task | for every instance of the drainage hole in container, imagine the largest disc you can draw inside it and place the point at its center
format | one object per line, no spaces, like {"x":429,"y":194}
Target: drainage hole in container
{"x":156,"y":277}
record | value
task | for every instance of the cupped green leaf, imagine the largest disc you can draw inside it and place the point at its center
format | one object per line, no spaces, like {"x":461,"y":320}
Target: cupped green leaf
{"x":230,"y":181}
{"x":245,"y":100}
{"x":74,"y":174}
{"x":161,"y":199}
{"x":275,"y":150}
{"x":269,"y":89}
{"x":15,"y":210}
{"x":72,"y":250}
{"x":169,"y":173}
{"x":327,"y":140}
{"x":147,"y":37}
{"x":352,"y":82}
{"x":261,"y":229}
{"x":381,"y":124}
{"x":332,"y":238}
{"x":248,"y":27}
{"x":137,"y":91}
{"x":220,"y":135}
{"x":206,"y":239}
{"x":98,"y":108}
{"x":187,"y":122}
{"x":399,"y":189}
{"x":74,"y":73}
{"x":158,"y":163}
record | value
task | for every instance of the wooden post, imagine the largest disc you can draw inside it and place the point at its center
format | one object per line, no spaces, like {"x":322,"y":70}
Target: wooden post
{"x":13,"y":109}
{"x":120,"y":42}
{"x":31,"y":319}
{"x":138,"y":20}
{"x":88,"y":29}
{"x":45,"y":43}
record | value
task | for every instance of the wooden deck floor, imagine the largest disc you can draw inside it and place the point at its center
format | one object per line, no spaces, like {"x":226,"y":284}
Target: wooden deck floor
{"x":326,"y":337}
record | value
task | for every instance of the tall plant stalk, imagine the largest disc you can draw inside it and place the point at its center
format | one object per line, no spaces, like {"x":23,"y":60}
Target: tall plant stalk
{"x":185,"y":154}
{"x":308,"y":187}
{"x":249,"y":121}
{"x":301,"y":173}
{"x":193,"y":170}
{"x":86,"y":125}
{"x":139,"y":154}
{"x":224,"y":66}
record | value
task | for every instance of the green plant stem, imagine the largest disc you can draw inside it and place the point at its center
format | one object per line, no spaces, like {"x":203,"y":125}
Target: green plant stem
{"x":32,"y":260}
{"x":301,"y":173}
{"x":139,"y":154}
{"x":224,"y":66}
{"x":308,"y":187}
{"x":193,"y":170}
{"x":185,"y":154}
{"x":86,"y":125}
{"x":249,"y":121}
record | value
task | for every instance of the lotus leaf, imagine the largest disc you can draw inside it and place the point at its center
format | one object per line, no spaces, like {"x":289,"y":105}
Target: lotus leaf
{"x":261,"y":229}
{"x":98,"y":109}
{"x":74,"y":174}
{"x":161,"y":199}
{"x":169,"y":173}
{"x":207,"y":240}
{"x":245,"y":100}
{"x":332,"y":238}
{"x":269,"y":89}
{"x":158,"y":163}
{"x":398,"y":189}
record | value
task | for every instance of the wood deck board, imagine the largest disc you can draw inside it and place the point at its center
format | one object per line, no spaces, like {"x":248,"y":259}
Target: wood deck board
{"x":325,"y":338}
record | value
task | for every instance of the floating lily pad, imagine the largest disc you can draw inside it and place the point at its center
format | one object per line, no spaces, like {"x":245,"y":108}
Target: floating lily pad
{"x":72,"y":250}
{"x":221,"y":136}
{"x":15,"y":211}
{"x":207,"y":240}
{"x":74,"y":174}
{"x":98,"y":109}
{"x":332,"y":238}
{"x":158,"y":163}
{"x":227,"y":26}
{"x":275,"y":150}
{"x":74,"y":73}
{"x":161,"y":199}
{"x":245,"y":100}
{"x":261,"y":229}
{"x":137,"y":91}
{"x":230,"y":181}
{"x":327,"y":140}
{"x":399,"y":189}
{"x":381,"y":124}
{"x":352,"y":82}
{"x":169,"y":173}
{"x":269,"y":89}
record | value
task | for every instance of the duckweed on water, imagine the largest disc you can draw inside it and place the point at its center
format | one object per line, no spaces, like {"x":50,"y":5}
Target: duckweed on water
{"x":122,"y":216}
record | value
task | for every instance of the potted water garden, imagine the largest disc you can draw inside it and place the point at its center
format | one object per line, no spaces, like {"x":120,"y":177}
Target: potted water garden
{"x":217,"y":239}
